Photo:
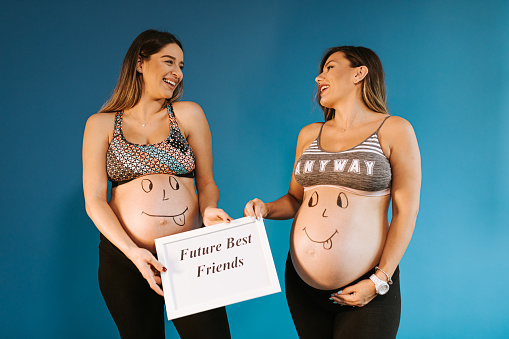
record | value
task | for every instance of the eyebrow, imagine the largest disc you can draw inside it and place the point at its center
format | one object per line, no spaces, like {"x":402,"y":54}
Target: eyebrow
{"x":328,"y":62}
{"x":173,"y":58}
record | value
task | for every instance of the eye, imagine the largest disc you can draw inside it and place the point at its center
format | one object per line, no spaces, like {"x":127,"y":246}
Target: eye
{"x":174,"y":183}
{"x":342,"y":200}
{"x":313,"y":200}
{"x":146,"y":185}
{"x":329,"y":67}
{"x":170,"y":62}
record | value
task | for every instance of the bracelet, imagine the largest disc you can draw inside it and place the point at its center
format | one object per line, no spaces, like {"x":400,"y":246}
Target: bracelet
{"x":389,"y":280}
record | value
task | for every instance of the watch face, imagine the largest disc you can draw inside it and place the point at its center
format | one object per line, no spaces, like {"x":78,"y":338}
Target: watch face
{"x":384,"y":288}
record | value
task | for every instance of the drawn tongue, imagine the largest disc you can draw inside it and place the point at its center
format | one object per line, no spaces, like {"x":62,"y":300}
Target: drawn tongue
{"x":180,"y":219}
{"x":327,"y":244}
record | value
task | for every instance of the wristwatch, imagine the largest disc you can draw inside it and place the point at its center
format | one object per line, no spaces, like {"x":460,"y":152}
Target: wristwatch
{"x":381,"y":286}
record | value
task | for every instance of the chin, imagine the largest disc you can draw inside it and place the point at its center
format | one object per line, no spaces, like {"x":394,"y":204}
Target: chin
{"x":325,"y":104}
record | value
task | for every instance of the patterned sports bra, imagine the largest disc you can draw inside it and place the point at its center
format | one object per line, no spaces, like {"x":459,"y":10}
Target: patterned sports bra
{"x":126,"y":161}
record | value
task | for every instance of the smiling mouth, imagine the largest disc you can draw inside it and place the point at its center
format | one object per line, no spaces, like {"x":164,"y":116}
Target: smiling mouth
{"x":327,"y":244}
{"x":323,"y":88}
{"x":179,"y":219}
{"x":170,"y":82}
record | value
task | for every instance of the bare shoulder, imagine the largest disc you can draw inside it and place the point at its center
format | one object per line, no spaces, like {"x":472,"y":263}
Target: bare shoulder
{"x":306,"y":136}
{"x":101,"y":122}
{"x":187,"y":109}
{"x":309,"y":132}
{"x":396,"y":128}
{"x":397,"y":133}
{"x":395,"y":124}
{"x":190,"y":118}
{"x":99,"y":130}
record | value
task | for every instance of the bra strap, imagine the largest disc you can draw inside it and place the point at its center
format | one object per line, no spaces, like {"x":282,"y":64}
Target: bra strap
{"x":174,"y":127}
{"x":320,"y":133}
{"x":118,"y":121}
{"x":387,"y":117}
{"x":169,"y":108}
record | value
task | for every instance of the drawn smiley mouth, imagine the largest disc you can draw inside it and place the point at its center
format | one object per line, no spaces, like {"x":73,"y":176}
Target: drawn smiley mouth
{"x":327,"y":244}
{"x":179,"y":219}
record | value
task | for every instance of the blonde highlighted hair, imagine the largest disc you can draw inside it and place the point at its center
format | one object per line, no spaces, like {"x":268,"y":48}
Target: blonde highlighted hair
{"x":127,"y":92}
{"x":373,"y":85}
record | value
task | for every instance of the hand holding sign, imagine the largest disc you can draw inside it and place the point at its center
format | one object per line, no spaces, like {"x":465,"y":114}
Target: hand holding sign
{"x":228,"y":263}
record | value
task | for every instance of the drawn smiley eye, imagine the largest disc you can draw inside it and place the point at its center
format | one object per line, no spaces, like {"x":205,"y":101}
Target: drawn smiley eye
{"x":313,"y":200}
{"x":342,"y":200}
{"x":146,"y":185}
{"x":174,"y":183}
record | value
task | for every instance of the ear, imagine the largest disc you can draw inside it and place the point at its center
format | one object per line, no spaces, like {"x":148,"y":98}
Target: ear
{"x":361,"y":73}
{"x":139,"y":65}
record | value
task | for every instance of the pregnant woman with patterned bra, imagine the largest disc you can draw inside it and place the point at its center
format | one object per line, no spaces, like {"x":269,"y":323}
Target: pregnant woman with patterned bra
{"x":155,"y":150}
{"x":342,"y":273}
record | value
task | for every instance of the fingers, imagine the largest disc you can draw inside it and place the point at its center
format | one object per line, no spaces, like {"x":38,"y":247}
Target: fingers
{"x":255,"y":209}
{"x":356,"y":295}
{"x":343,"y":298}
{"x":150,"y":276}
{"x":224,"y":216}
{"x":153,"y":285}
{"x":158,"y":280}
{"x":338,"y":297}
{"x":157,"y":264}
{"x":249,"y":209}
{"x":213,"y":216}
{"x":154,"y":277}
{"x":149,"y":268}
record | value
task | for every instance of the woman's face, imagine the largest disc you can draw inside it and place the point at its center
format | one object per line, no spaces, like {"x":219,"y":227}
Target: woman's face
{"x":162,"y":72}
{"x":336,"y":81}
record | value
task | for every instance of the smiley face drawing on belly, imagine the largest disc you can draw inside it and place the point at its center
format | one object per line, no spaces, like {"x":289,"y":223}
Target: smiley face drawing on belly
{"x":148,"y":187}
{"x":342,"y":202}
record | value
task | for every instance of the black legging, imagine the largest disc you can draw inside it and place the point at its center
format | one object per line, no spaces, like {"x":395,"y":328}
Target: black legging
{"x":316,"y":317}
{"x":138,"y":311}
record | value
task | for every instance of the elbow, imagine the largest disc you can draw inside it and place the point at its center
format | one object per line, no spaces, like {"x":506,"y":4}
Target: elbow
{"x":88,"y":209}
{"x":407,"y":214}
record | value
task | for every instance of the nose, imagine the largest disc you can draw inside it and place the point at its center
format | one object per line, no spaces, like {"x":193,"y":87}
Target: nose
{"x":164,"y":195}
{"x":177,"y":73}
{"x":319,"y":78}
{"x":323,"y":214}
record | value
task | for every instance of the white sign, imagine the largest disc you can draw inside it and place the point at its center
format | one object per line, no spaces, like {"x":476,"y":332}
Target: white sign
{"x":216,"y":266}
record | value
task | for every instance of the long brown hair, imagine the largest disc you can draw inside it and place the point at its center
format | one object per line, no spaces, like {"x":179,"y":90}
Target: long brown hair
{"x":373,"y":85}
{"x":127,"y":92}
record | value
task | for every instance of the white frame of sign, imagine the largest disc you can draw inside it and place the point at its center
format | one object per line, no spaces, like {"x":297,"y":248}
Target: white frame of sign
{"x":216,"y":266}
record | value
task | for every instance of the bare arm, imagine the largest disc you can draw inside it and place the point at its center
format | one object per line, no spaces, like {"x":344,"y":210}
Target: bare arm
{"x":403,"y":152}
{"x":95,"y":185}
{"x":287,"y":206}
{"x":196,"y":129}
{"x":406,"y":184}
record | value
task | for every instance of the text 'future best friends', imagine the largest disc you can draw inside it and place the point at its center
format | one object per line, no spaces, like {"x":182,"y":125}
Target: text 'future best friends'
{"x":213,"y":268}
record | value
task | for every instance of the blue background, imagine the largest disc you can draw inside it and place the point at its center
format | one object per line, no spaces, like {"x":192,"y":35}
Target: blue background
{"x":251,"y":66}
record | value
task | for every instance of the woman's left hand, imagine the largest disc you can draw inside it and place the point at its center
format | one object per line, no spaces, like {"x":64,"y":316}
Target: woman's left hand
{"x":212,"y":216}
{"x":356,"y":295}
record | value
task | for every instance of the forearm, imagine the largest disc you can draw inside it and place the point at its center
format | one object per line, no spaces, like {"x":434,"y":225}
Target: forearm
{"x":283,"y":208}
{"x":208,"y":196}
{"x":107,"y":223}
{"x":398,"y":238}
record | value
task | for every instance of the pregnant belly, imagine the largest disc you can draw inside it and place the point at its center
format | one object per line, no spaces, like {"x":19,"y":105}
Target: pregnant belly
{"x":155,"y":206}
{"x":337,"y":236}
